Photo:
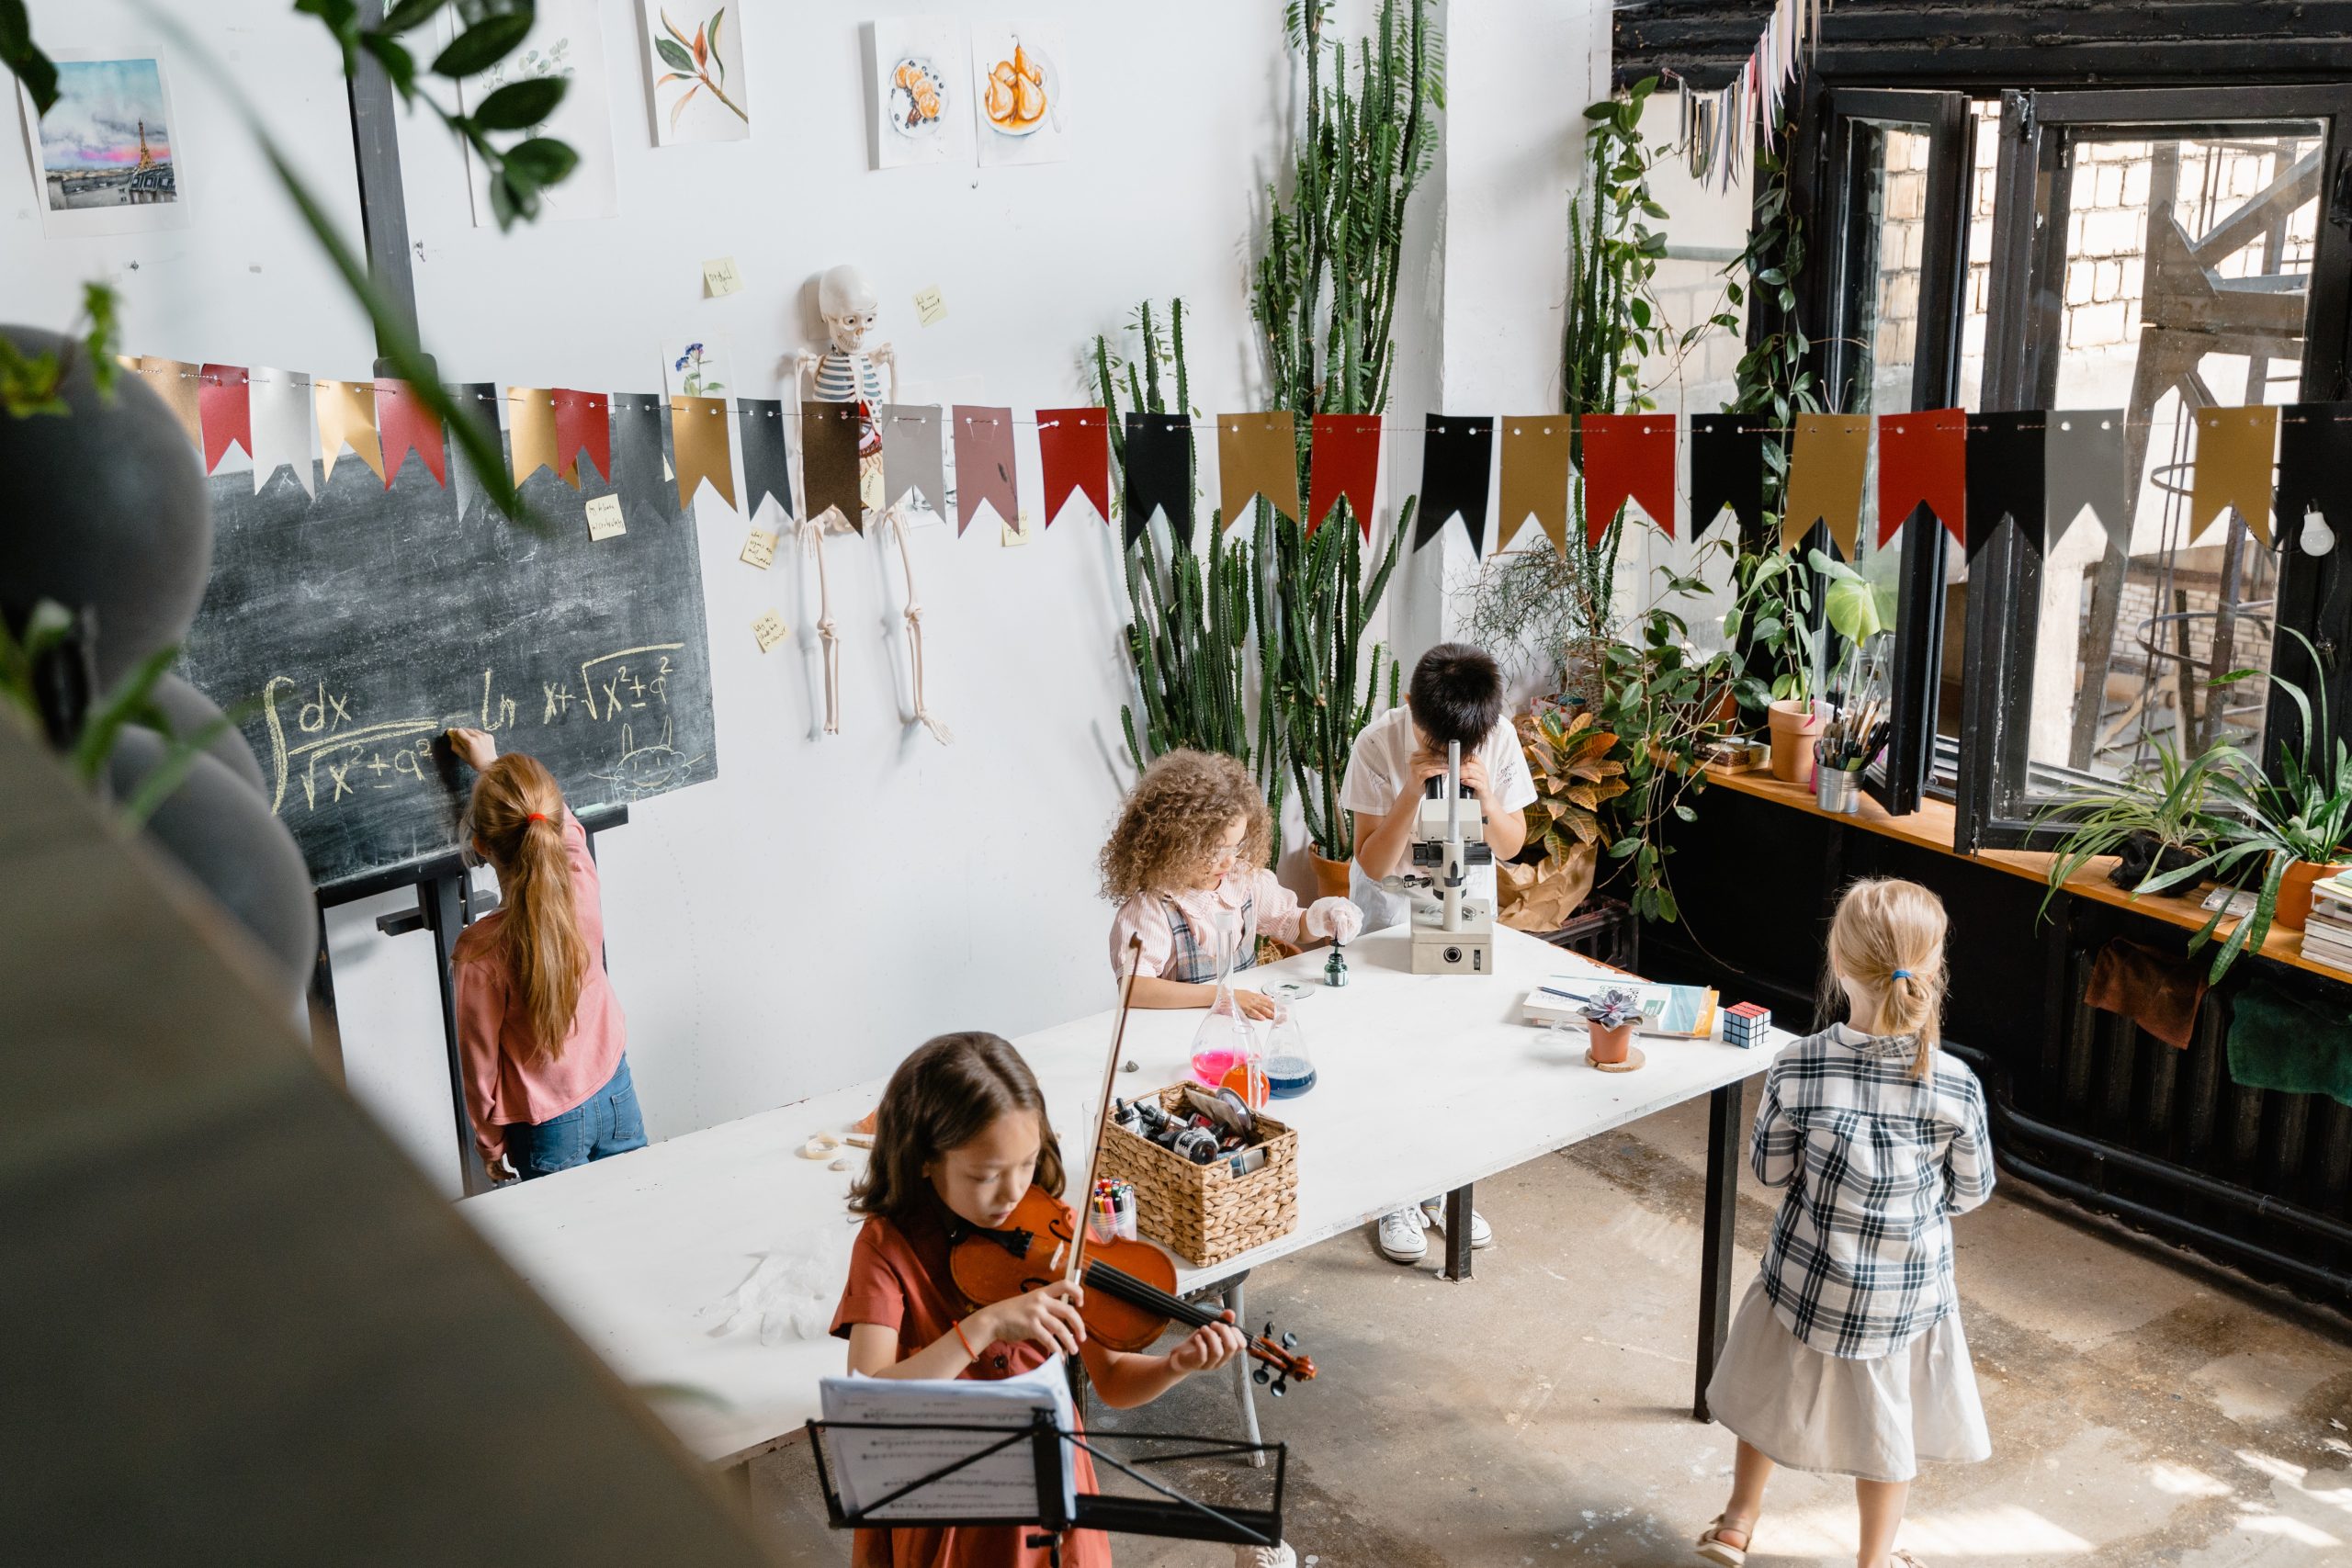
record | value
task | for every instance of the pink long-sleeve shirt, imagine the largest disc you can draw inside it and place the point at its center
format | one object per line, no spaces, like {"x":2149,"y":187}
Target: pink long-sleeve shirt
{"x":504,"y":1082}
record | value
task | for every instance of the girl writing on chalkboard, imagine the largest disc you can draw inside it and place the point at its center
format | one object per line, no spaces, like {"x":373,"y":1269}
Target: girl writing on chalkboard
{"x":959,"y":1139}
{"x":538,"y":1028}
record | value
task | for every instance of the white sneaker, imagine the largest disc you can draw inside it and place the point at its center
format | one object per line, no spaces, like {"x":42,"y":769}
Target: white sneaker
{"x":1480,"y":1233}
{"x":1278,"y":1555}
{"x":1401,"y":1240}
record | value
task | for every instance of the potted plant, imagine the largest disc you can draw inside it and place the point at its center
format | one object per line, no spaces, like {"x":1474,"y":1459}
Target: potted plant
{"x":1771,"y":617}
{"x":1610,"y":1019}
{"x":2155,"y":822}
{"x":1569,"y":758}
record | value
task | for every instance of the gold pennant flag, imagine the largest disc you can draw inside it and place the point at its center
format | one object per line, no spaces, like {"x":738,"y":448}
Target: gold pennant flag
{"x":530,"y":436}
{"x":1535,"y":475}
{"x":698,"y":431}
{"x":346,"y":412}
{"x":176,"y":382}
{"x":1256,"y":454}
{"x":2234,"y":456}
{"x":1826,"y":467}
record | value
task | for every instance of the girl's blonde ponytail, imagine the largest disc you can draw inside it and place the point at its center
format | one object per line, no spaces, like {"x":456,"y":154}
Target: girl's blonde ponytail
{"x":518,"y":813}
{"x":1888,"y":938}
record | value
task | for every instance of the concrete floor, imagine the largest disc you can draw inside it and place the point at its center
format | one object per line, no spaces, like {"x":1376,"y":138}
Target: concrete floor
{"x":2141,"y":1412}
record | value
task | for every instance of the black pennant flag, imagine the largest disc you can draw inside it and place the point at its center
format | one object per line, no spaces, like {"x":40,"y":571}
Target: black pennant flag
{"x":2007,"y":476}
{"x":1727,"y":471}
{"x":767,"y":470}
{"x":1457,"y":456}
{"x":640,"y":436}
{"x":1159,"y":473}
{"x":2314,"y":467}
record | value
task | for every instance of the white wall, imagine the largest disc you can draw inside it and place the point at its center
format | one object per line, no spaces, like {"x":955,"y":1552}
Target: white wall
{"x":827,"y":903}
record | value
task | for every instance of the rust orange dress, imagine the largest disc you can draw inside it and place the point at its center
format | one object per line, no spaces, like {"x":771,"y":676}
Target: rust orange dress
{"x":899,"y":1280}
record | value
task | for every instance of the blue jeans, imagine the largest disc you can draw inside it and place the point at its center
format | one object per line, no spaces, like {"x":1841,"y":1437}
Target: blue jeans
{"x":606,"y":1122}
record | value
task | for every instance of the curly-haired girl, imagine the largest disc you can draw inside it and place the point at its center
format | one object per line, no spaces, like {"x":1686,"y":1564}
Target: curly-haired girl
{"x":1188,"y":856}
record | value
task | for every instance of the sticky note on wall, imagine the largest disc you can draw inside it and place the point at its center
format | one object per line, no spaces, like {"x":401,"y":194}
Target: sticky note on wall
{"x":722,"y":277}
{"x":605,"y":517}
{"x":770,"y":629}
{"x":930,"y":306}
{"x":759,"y":549}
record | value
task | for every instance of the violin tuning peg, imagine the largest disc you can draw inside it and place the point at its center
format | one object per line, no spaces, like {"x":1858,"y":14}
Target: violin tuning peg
{"x":1290,"y":1341}
{"x":1269,"y":1329}
{"x":1260,"y":1376}
{"x":1281,"y":1386}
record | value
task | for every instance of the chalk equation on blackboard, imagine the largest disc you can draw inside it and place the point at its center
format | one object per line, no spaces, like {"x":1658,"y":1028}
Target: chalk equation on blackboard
{"x":318,"y":742}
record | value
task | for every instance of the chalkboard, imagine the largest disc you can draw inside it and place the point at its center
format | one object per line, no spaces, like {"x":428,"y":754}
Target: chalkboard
{"x":356,"y":628}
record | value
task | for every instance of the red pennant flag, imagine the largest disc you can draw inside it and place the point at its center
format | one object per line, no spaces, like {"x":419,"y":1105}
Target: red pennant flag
{"x":224,"y":407}
{"x":406,"y":425}
{"x":1344,"y":461}
{"x":583,"y":420}
{"x":1074,"y":453}
{"x":1923,"y":457}
{"x":1627,"y":456}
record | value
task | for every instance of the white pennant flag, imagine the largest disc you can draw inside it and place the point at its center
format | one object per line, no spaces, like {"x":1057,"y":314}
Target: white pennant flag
{"x":281,"y":403}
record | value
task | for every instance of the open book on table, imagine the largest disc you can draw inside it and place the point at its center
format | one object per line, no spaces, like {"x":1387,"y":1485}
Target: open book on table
{"x":1682,"y":1012}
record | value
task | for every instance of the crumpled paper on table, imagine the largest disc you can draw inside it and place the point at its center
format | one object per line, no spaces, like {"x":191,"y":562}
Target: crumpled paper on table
{"x":791,"y":1289}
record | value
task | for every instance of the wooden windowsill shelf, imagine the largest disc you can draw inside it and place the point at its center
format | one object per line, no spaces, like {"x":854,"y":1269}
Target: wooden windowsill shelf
{"x":1932,"y":828}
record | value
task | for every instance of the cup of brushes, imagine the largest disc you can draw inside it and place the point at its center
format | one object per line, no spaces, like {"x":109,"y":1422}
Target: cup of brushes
{"x":1852,"y":736}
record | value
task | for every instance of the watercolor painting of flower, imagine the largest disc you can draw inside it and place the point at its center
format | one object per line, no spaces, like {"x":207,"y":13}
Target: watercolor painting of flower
{"x":702,"y":73}
{"x":693,"y":364}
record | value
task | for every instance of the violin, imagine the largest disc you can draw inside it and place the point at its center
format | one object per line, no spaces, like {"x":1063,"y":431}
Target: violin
{"x":1130,"y":1285}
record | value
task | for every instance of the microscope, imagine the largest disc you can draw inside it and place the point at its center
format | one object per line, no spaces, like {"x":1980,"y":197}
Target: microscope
{"x":1455,"y":935}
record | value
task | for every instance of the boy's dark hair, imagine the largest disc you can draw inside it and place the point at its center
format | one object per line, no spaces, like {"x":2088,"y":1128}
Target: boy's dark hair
{"x":1456,"y":694}
{"x":941,"y":1098}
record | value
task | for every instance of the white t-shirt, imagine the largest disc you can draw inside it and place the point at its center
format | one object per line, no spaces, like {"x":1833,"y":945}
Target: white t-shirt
{"x":1377,"y":769}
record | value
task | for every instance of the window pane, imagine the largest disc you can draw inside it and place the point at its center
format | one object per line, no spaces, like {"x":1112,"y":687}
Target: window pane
{"x":1985,"y":163}
{"x":2182,"y":285}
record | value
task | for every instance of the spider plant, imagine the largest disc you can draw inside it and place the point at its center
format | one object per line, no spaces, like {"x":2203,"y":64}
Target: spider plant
{"x":2158,"y":821}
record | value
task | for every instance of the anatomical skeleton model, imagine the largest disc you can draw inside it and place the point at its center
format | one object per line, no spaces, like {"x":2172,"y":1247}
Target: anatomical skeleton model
{"x":850,"y":372}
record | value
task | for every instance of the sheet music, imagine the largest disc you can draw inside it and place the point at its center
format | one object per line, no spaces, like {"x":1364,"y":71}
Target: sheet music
{"x":868,"y":1465}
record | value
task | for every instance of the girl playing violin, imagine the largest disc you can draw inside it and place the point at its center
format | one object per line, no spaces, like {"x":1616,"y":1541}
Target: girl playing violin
{"x":959,"y":1139}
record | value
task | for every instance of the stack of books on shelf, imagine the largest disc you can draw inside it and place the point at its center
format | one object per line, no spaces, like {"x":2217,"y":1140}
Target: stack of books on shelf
{"x":2327,"y":932}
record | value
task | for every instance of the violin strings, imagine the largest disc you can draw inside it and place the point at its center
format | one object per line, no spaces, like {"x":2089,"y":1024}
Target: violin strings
{"x":1117,"y":1283}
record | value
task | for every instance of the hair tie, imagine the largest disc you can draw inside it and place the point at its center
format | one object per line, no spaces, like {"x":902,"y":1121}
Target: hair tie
{"x":1901,"y":975}
{"x":542,"y":816}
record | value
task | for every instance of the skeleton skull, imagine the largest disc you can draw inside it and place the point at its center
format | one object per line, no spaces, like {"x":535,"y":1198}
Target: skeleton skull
{"x":846,"y":301}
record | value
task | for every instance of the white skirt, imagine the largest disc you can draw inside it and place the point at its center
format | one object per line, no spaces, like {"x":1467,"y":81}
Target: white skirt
{"x":1875,"y":1419}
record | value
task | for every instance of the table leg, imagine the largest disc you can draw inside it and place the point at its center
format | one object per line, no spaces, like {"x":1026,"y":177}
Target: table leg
{"x":1457,"y":1234}
{"x":1714,"y":1251}
{"x":1243,"y":1365}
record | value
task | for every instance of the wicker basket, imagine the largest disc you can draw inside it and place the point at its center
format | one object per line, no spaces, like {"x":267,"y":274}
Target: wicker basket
{"x":1203,"y":1212}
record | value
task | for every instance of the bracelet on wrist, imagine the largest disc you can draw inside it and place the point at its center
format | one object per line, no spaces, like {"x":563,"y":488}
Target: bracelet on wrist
{"x":969,"y":1353}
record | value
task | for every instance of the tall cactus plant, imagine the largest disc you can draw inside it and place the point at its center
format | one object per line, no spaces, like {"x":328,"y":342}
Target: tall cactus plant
{"x":1188,"y":630}
{"x":1325,"y":302}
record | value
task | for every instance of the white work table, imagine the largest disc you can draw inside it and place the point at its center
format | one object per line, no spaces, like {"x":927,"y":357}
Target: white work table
{"x":1426,"y":1085}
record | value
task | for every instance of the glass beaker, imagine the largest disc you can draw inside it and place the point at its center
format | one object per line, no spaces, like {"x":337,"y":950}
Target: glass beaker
{"x":1290,"y":1069}
{"x":1224,"y":1048}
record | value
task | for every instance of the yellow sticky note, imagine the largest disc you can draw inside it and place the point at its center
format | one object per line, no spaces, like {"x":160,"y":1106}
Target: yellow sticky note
{"x":1020,"y":531}
{"x":770,"y":629}
{"x":930,"y":306}
{"x":721,"y":278}
{"x":605,"y":518}
{"x":759,"y":549}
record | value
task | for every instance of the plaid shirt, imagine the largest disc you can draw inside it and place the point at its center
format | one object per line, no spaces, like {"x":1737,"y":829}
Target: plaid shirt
{"x":1876,"y":1163}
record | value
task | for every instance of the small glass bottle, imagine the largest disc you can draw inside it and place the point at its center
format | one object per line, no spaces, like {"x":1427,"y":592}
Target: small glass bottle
{"x":1289,"y":1069}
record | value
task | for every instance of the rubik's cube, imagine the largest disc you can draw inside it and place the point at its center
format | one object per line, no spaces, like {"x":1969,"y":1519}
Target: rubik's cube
{"x":1744,"y":1024}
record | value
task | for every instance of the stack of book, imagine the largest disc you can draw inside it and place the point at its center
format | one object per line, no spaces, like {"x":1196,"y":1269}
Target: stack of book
{"x":2327,"y":932}
{"x":1685,"y":1012}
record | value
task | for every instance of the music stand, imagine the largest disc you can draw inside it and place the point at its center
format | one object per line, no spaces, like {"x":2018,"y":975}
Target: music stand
{"x":1171,"y":1515}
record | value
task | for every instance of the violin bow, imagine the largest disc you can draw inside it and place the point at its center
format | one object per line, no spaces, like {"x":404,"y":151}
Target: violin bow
{"x":1085,"y":1205}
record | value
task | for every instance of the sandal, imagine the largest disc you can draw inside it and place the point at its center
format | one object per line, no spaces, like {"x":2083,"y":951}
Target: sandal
{"x":1713,"y":1548}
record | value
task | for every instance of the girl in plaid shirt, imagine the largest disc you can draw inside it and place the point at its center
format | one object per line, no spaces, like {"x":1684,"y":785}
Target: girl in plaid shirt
{"x":1846,"y":1355}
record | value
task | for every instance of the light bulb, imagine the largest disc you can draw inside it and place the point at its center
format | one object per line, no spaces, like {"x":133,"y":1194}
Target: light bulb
{"x":2318,"y":537}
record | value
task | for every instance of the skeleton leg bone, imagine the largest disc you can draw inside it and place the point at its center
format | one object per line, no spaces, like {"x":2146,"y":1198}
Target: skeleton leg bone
{"x":813,"y":537}
{"x":897,"y":517}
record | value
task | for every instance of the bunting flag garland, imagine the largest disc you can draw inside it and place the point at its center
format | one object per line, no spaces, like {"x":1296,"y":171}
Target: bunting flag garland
{"x":176,"y":383}
{"x":1256,"y":454}
{"x":1923,"y":461}
{"x":403,"y":424}
{"x":1727,"y":472}
{"x":910,"y":454}
{"x":2233,"y":453}
{"x":830,"y":434}
{"x":2005,"y":477}
{"x":1627,"y":456}
{"x":347,"y":414}
{"x":1457,"y":454}
{"x":530,"y":436}
{"x":639,"y":474}
{"x":2085,"y":464}
{"x":280,"y":405}
{"x":1827,"y":463}
{"x":1716,"y":124}
{"x":767,"y":463}
{"x":1074,"y":452}
{"x":224,"y":402}
{"x":582,"y":423}
{"x":984,"y":473}
{"x":1158,"y":473}
{"x":1535,"y":476}
{"x":704,"y":453}
{"x":1345,"y":461}
{"x":2315,"y":464}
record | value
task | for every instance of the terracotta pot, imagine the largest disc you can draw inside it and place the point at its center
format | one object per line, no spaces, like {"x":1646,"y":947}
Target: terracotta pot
{"x":1331,"y":877}
{"x":1795,"y":728}
{"x":2295,"y":892}
{"x":1611,"y":1046}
